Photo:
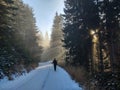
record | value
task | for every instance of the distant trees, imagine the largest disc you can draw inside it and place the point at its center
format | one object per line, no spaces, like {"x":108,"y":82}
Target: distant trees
{"x":46,"y":44}
{"x":56,"y":50}
{"x":18,"y":40}
{"x":46,"y":41}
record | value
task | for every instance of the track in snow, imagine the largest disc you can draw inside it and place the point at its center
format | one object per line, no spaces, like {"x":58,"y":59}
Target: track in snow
{"x":43,"y":78}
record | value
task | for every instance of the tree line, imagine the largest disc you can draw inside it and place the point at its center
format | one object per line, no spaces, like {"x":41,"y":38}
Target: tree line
{"x":19,"y":48}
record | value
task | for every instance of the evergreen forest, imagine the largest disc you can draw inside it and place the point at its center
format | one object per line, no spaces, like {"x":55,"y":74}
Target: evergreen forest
{"x":87,"y":35}
{"x":19,"y":49}
{"x":91,"y":31}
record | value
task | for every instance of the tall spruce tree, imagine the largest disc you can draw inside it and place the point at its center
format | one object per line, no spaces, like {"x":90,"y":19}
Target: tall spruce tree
{"x":57,"y":51}
{"x":108,"y":29}
{"x":7,"y":50}
{"x":17,"y":28}
{"x":80,"y":17}
{"x":102,"y":17}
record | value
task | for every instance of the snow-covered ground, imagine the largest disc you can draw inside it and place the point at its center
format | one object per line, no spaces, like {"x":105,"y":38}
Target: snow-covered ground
{"x":42,"y":78}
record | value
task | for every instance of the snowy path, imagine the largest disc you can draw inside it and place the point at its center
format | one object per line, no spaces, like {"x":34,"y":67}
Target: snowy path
{"x":43,"y":78}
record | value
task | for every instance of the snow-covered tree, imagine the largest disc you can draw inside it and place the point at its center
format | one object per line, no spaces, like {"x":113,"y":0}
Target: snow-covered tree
{"x":56,"y":50}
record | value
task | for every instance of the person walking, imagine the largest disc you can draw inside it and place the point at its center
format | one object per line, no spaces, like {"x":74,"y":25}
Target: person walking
{"x":55,"y":64}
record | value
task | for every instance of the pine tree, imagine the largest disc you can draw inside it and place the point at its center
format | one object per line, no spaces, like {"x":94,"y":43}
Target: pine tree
{"x":101,"y":17}
{"x":17,"y":29}
{"x":109,"y":21}
{"x":80,"y":17}
{"x":7,"y":52}
{"x":56,"y":37}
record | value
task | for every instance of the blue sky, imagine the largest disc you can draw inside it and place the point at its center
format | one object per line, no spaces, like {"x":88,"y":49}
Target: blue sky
{"x":44,"y":11}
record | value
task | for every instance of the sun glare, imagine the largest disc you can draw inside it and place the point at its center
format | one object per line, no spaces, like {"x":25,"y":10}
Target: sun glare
{"x":92,"y":32}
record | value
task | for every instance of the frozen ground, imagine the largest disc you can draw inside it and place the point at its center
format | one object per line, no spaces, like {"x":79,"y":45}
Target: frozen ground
{"x":42,"y":78}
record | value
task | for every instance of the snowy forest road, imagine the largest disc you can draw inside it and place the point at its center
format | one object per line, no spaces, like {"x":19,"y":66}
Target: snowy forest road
{"x":44,"y":78}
